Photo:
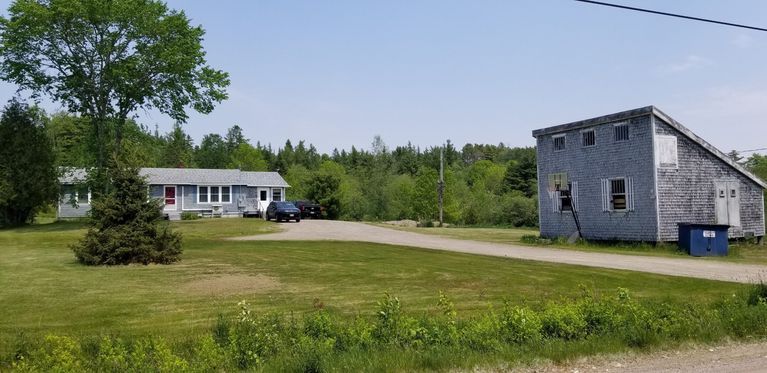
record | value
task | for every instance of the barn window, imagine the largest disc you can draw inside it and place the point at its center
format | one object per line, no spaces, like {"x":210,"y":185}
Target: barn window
{"x":588,"y":138}
{"x":618,"y":194}
{"x":621,"y":132}
{"x":559,"y":142}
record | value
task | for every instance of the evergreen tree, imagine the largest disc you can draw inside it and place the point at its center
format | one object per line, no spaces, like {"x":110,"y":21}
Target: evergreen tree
{"x":28,"y":176}
{"x":126,"y":226}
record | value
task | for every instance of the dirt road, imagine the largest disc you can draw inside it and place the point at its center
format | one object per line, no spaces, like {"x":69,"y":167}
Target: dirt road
{"x":730,"y":358}
{"x":350,"y":231}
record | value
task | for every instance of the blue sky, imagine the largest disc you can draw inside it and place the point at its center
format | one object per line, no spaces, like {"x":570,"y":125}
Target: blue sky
{"x":337,"y":73}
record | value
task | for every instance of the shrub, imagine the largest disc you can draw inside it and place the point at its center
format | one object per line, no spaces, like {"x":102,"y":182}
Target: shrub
{"x":126,"y":227}
{"x":520,"y":325}
{"x":188,"y":215}
{"x":563,"y":321}
{"x":757,"y":293}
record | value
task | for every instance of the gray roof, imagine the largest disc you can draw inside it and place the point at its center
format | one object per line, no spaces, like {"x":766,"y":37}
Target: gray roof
{"x":193,"y":176}
{"x":628,"y":114}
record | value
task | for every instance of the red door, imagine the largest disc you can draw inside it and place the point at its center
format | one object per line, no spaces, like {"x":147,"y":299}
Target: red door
{"x":170,"y":197}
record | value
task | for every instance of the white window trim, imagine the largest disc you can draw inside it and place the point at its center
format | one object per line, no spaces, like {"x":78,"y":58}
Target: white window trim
{"x":282,"y":194}
{"x":554,"y":140}
{"x":76,"y":195}
{"x":220,"y":194}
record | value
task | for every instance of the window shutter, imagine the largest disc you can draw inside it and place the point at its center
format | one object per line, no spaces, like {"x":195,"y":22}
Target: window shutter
{"x":630,"y":193}
{"x":605,"y":195}
{"x":574,"y":195}
{"x":555,"y":201}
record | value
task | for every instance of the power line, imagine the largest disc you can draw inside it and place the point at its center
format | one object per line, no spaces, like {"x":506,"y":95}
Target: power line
{"x":673,"y":15}
{"x":751,"y":150}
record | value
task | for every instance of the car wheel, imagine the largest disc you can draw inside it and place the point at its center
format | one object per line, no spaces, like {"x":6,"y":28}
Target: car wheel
{"x":298,"y":220}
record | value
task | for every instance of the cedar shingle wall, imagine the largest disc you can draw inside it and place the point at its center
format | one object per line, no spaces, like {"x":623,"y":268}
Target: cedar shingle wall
{"x":688,"y":195}
{"x":587,"y":166}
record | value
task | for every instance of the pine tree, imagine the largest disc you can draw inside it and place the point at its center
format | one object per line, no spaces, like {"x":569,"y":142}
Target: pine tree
{"x":126,"y":227}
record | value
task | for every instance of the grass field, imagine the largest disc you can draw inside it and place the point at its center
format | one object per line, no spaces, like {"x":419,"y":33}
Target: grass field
{"x":742,"y":252}
{"x":43,"y":290}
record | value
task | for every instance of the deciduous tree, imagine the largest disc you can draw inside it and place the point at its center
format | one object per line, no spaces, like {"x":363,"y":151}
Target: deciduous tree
{"x":105,"y":59}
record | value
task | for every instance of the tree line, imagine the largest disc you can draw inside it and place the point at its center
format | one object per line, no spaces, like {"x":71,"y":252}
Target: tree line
{"x":485,"y":184}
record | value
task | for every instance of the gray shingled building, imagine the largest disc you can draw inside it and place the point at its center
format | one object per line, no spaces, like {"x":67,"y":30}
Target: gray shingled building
{"x":637,"y":174}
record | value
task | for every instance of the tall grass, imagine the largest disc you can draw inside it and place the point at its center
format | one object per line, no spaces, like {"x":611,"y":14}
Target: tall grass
{"x":393,"y":339}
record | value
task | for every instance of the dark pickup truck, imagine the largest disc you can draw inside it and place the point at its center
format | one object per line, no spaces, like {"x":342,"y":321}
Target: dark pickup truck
{"x":309,"y":209}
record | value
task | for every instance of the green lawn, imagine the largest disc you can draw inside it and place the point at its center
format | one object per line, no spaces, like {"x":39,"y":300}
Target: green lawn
{"x":742,"y":252}
{"x":43,"y":290}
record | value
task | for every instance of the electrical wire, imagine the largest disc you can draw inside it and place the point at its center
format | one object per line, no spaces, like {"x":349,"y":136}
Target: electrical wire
{"x":673,"y":15}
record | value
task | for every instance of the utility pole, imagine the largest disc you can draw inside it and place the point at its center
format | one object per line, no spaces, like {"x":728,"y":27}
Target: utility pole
{"x":441,"y":183}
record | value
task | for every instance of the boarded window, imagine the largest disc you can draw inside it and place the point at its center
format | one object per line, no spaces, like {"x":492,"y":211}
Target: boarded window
{"x":666,"y":154}
{"x":559,"y":142}
{"x":621,"y":132}
{"x":618,"y":194}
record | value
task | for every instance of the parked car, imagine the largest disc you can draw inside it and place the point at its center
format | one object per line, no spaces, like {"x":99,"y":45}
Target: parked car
{"x":283,"y":211}
{"x":309,"y":209}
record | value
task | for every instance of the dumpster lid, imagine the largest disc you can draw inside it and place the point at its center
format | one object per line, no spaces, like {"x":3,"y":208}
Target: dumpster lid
{"x":703,"y":225}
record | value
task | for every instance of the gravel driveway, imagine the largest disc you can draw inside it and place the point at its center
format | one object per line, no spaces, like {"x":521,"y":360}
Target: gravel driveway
{"x":350,"y":231}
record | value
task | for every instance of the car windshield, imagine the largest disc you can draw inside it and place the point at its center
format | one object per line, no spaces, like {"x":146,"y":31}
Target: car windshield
{"x":285,"y":205}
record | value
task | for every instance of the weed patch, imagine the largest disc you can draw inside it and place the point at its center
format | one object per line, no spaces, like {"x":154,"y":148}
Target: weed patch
{"x":393,"y":339}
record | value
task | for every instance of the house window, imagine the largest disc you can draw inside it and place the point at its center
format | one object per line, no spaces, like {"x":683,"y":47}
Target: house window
{"x":565,"y":201}
{"x":83,"y":197}
{"x":618,"y":194}
{"x":276,"y":194}
{"x":588,"y":138}
{"x":214,"y":194}
{"x":621,"y":132}
{"x":559,"y":142}
{"x":226,"y":194}
{"x":263,"y":195}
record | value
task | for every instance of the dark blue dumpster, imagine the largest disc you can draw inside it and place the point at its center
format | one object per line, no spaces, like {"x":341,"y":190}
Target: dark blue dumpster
{"x":703,"y":239}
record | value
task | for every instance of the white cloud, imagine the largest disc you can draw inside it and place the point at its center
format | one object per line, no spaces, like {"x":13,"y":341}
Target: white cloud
{"x":690,"y":62}
{"x":743,"y":41}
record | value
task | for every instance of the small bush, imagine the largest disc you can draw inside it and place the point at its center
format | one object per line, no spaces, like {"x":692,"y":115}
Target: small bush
{"x":563,"y":321}
{"x":520,"y":325}
{"x":757,"y":294}
{"x":189,"y":215}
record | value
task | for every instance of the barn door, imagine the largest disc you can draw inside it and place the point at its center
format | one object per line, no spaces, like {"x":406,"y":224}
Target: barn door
{"x":733,"y":203}
{"x":727,"y":203}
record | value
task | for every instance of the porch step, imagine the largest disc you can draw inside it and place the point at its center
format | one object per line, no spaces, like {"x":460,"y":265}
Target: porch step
{"x":173,"y":215}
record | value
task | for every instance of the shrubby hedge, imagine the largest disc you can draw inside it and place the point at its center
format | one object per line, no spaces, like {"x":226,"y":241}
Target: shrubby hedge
{"x":322,"y":340}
